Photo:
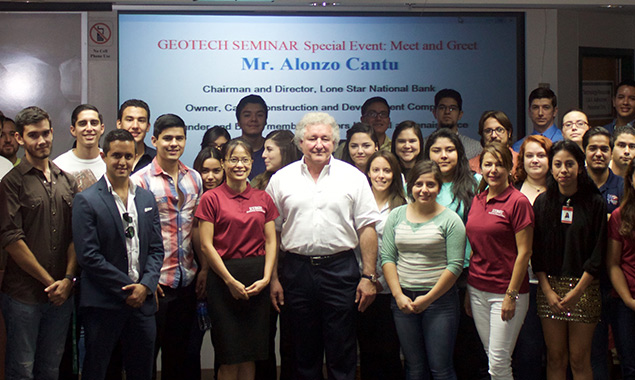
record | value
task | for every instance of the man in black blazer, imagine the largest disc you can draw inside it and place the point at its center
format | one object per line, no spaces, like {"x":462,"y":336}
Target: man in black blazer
{"x":118,"y":242}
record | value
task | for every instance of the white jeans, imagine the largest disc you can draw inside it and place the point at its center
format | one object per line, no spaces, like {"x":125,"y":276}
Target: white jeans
{"x":498,"y":336}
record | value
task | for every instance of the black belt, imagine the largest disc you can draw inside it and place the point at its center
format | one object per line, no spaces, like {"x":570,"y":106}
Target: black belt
{"x":320,"y":260}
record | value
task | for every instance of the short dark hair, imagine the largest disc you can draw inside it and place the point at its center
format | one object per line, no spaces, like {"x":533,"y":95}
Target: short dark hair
{"x":595,"y":131}
{"x":448,"y":93}
{"x":168,"y":120}
{"x":84,"y":107}
{"x":375,"y":99}
{"x":117,"y":135}
{"x":30,"y":115}
{"x":251,"y":99}
{"x":214,"y":133}
{"x":616,"y":133}
{"x":133,"y":103}
{"x":626,"y":82}
{"x":499,"y":116}
{"x":543,"y":93}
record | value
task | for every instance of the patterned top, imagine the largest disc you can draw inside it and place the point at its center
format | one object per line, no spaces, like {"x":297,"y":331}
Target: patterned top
{"x":179,"y":266}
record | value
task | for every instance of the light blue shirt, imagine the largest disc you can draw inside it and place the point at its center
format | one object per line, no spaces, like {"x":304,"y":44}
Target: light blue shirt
{"x":553,"y":133}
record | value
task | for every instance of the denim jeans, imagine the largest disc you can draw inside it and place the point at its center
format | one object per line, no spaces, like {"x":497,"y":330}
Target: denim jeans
{"x":36,"y":335}
{"x":427,"y":339}
{"x":623,"y":322}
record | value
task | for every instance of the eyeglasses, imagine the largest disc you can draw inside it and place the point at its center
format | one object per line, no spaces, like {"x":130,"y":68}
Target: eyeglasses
{"x":443,"y":108}
{"x":579,"y":124}
{"x":373,"y":114}
{"x":498,"y":130}
{"x":235,"y":160}
{"x":129,"y":232}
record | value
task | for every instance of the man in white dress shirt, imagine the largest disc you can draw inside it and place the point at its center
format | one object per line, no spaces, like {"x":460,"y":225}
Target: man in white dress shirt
{"x":326,"y":209}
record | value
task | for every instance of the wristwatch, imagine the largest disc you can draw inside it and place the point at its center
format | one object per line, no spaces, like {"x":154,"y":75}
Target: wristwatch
{"x":512,"y":294}
{"x":371,"y":277}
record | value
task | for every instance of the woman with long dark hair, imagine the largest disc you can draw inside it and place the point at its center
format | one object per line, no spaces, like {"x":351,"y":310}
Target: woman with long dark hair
{"x":407,"y":144}
{"x":361,"y":143}
{"x":569,"y":246}
{"x":215,"y":137}
{"x":279,"y":151}
{"x":620,"y":262}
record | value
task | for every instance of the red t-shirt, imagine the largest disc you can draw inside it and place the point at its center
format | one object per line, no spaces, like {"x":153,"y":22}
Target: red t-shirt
{"x":491,"y":228}
{"x":627,"y":261}
{"x":239,"y":220}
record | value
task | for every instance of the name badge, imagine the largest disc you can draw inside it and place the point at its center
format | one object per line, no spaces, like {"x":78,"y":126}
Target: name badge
{"x":567,"y":215}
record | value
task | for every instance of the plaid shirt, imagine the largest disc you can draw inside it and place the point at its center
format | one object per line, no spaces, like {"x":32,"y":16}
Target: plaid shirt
{"x":179,"y":266}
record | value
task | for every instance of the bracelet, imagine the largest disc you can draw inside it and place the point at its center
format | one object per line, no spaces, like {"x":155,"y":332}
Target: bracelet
{"x":70,"y":277}
{"x":512,"y":294}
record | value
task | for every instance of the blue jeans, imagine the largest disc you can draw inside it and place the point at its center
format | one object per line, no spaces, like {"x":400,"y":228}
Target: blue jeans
{"x":623,"y":322}
{"x":36,"y":335}
{"x":427,"y":339}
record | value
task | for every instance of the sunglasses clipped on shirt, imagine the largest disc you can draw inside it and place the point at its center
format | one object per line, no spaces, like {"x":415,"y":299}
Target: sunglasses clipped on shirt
{"x":129,"y":231}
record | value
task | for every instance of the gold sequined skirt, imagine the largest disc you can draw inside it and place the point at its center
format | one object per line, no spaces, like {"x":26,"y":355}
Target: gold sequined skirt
{"x":587,"y":310}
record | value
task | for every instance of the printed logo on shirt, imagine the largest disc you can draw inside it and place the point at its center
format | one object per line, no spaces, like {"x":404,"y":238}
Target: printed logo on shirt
{"x":497,"y":212}
{"x":256,"y":209}
{"x":612,"y":199}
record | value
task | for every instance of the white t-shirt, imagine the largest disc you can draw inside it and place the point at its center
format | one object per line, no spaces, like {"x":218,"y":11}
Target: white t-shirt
{"x":86,"y":172}
{"x":5,"y":166}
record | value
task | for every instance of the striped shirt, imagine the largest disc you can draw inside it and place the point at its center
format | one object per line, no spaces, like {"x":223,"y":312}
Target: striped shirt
{"x":179,"y":267}
{"x":422,"y":251}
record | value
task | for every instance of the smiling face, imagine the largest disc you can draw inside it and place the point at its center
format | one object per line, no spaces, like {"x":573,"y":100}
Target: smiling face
{"x":494,"y":172}
{"x":542,"y":113}
{"x":624,"y":103}
{"x":407,"y":146}
{"x":134,"y":120}
{"x":119,"y":160}
{"x":272,"y":156}
{"x":87,"y":129}
{"x":237,"y":164}
{"x":170,"y":144}
{"x":252,"y":119}
{"x":574,"y":126}
{"x":444,"y":153}
{"x":211,"y":173}
{"x":425,"y":189}
{"x":624,"y":149}
{"x":598,"y":153}
{"x":360,"y":148}
{"x":565,"y":171}
{"x":536,"y":161}
{"x":317,"y":144}
{"x":447,"y":113}
{"x":37,"y":140}
{"x":380,"y":174}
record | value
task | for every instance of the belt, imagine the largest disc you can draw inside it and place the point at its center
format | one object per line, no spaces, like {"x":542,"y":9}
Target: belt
{"x":323,"y":259}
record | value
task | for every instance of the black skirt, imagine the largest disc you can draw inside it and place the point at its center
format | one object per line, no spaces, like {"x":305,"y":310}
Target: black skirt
{"x":240,"y":329}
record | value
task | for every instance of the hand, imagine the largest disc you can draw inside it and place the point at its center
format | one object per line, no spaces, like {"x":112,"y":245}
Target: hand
{"x":508,"y":309}
{"x":59,"y":291}
{"x":138,"y":295}
{"x":255,"y":288}
{"x":420,"y":304}
{"x":365,"y":294}
{"x":237,"y":290}
{"x":571,"y":299}
{"x":201,"y":284}
{"x":553,"y":300}
{"x":467,"y":305}
{"x":404,"y":303}
{"x":277,"y":294}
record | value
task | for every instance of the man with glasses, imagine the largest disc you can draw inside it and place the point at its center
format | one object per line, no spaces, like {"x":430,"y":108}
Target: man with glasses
{"x":177,"y":189}
{"x":119,"y":247}
{"x":574,"y":125}
{"x":448,"y":110}
{"x":494,"y":126}
{"x":83,"y":161}
{"x":543,"y":108}
{"x":376,"y":113}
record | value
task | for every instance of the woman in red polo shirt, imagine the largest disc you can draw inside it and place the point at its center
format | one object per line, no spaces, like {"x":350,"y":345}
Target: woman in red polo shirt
{"x":238,"y":240}
{"x":500,"y":230}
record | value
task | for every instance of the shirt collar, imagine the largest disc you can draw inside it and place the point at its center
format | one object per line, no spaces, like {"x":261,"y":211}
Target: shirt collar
{"x":25,"y":166}
{"x":502,"y":197}
{"x":156,"y":169}
{"x":131,"y":186}
{"x":246,"y":194}
{"x":325,"y":170}
{"x":549,"y":133}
